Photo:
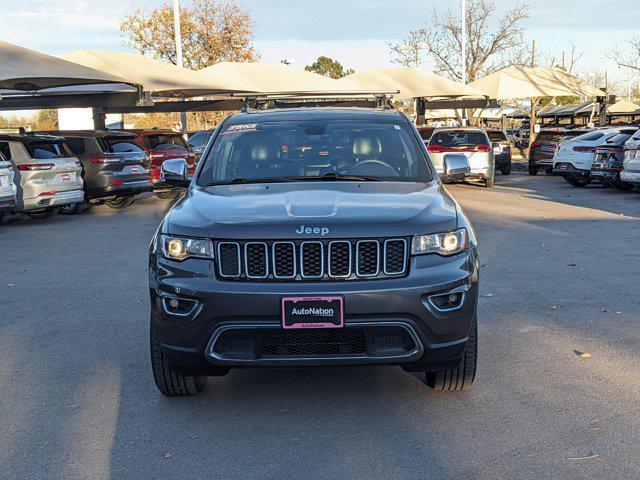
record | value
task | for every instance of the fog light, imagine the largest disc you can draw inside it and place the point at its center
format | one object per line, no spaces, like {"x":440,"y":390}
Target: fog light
{"x":174,"y":302}
{"x":182,"y":307}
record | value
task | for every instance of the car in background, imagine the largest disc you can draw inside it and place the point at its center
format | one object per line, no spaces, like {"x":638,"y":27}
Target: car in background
{"x":47,"y":174}
{"x":114,"y":167}
{"x":544,"y":148}
{"x":471,"y":142}
{"x":198,"y":141}
{"x":501,"y":150}
{"x":425,"y":132}
{"x":631,"y":164}
{"x":574,"y":158}
{"x":609,"y":163}
{"x":7,"y":187}
{"x":162,"y":145}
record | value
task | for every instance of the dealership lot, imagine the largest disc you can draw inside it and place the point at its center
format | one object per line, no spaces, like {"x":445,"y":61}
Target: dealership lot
{"x":559,"y":275}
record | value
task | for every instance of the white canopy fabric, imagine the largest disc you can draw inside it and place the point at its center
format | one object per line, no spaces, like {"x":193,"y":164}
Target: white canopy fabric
{"x":273,"y":77}
{"x":411,"y":82}
{"x":22,"y":69}
{"x":513,"y":83}
{"x":622,"y":107}
{"x":160,"y":78}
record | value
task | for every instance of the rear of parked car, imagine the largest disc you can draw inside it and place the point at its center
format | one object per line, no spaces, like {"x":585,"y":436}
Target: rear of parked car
{"x":7,"y":187}
{"x":544,"y":147}
{"x":501,"y":150}
{"x":609,"y":162}
{"x":473,"y":143}
{"x":631,"y":164}
{"x":114,"y":165}
{"x":47,"y":173}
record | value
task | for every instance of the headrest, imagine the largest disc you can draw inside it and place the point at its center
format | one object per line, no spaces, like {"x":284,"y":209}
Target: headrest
{"x":365,"y":145}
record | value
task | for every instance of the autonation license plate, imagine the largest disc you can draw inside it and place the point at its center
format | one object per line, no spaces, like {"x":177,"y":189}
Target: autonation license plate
{"x":313,"y":312}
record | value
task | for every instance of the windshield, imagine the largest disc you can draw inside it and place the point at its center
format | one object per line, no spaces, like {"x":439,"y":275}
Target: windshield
{"x":458,"y":138}
{"x":166,"y":141}
{"x":315,"y":149}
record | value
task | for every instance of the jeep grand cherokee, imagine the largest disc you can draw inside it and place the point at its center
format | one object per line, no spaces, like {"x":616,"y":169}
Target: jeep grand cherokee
{"x":313,"y":237}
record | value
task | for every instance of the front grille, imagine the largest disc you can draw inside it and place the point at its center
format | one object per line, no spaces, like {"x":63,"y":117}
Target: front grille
{"x":314,"y":342}
{"x":312,"y":260}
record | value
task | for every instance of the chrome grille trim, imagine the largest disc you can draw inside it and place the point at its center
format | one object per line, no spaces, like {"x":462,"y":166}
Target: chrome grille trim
{"x":273,"y":259}
{"x":350,"y":258}
{"x":266,"y":260}
{"x":358,"y":244}
{"x":302,"y":274}
{"x":404,"y":260}
{"x":237,"y":245}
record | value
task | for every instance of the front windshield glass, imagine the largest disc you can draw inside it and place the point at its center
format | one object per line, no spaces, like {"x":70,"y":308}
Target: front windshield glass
{"x":315,"y":149}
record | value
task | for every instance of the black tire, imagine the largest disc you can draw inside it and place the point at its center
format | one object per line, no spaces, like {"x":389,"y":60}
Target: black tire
{"x":169,"y":381}
{"x":119,"y":203}
{"x":168,"y":195}
{"x":42,"y":214}
{"x":577,"y":181}
{"x":74,"y":208}
{"x":489,"y":182}
{"x":462,"y":376}
{"x":624,"y":187}
{"x":533,"y":170}
{"x":506,"y":170}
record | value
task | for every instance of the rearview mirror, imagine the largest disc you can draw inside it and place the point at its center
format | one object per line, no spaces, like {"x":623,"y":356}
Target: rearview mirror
{"x":174,"y":173}
{"x":456,"y":167}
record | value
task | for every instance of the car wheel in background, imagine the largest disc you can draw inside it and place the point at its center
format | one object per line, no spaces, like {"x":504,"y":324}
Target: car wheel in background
{"x":625,"y":187}
{"x":42,"y":214}
{"x":74,"y":208}
{"x":168,"y":195}
{"x":120,"y":203}
{"x":169,"y":381}
{"x":533,"y":170}
{"x":577,"y":181}
{"x":462,"y":376}
{"x":506,"y":170}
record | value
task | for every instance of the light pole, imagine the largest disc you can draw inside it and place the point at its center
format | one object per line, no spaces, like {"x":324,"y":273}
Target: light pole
{"x":178,"y":41}
{"x":463,"y":44}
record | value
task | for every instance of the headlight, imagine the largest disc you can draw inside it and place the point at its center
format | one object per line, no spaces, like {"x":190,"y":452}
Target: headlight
{"x":448,"y":243}
{"x":179,"y":248}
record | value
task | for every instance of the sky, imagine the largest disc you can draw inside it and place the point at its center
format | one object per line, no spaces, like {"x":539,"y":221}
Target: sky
{"x":353,"y":31}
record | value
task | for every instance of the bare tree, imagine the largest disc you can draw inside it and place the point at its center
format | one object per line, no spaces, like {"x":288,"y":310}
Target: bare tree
{"x":489,"y":48}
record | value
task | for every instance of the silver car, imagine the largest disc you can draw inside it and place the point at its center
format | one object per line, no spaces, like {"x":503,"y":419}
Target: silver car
{"x":631,"y":165}
{"x":47,"y":174}
{"x":7,"y":187}
{"x":471,"y":142}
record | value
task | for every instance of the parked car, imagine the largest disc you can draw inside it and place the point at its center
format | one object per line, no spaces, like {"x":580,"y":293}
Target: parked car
{"x":631,"y":165}
{"x":574,"y":158}
{"x":425,"y":132}
{"x":501,"y":150}
{"x":198,"y":140}
{"x":609,"y":162}
{"x":313,"y":237}
{"x":545,"y":146}
{"x":7,"y":187}
{"x":114,"y":167}
{"x":47,"y":174}
{"x":164,"y":145}
{"x":471,"y":142}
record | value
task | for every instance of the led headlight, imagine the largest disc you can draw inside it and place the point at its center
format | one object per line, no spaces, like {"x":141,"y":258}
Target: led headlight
{"x":448,"y":243}
{"x":179,"y":248}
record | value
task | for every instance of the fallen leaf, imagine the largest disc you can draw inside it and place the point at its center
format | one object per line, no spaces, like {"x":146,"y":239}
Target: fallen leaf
{"x":571,"y":265}
{"x":488,"y":295}
{"x":552,"y":306}
{"x":618,"y":312}
{"x":167,"y":455}
{"x":11,"y":285}
{"x":604,"y":310}
{"x":582,"y":354}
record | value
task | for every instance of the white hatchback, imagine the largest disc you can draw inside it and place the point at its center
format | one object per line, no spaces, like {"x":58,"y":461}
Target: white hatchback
{"x":631,"y":171}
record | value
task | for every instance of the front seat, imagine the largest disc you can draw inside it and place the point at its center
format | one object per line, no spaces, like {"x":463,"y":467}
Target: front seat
{"x":261,"y":156}
{"x":366,"y":147}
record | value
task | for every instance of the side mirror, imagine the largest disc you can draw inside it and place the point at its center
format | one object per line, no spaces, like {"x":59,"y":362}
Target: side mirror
{"x":497,"y":149}
{"x":174,"y":172}
{"x":456,"y":167}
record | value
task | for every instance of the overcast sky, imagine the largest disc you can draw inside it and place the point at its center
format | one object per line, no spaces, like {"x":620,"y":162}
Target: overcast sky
{"x":353,"y":31}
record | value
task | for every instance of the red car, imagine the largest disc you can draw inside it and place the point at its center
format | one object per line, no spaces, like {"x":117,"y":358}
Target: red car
{"x":164,"y":145}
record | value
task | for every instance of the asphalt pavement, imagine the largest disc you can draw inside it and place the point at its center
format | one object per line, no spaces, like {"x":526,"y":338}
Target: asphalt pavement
{"x":559,"y":277}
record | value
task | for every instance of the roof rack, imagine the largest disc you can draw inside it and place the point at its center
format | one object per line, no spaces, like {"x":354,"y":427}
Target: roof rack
{"x":13,"y":131}
{"x":373,"y":99}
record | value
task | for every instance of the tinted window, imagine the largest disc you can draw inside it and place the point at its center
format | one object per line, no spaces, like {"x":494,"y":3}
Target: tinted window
{"x":458,"y":138}
{"x":5,"y":150}
{"x":200,"y":139}
{"x":425,"y":133}
{"x":315,"y":148}
{"x":76,"y":145}
{"x":121,"y":145}
{"x":550,"y":136}
{"x":619,"y":139}
{"x":497,"y":136}
{"x":589,"y":137}
{"x":47,"y":149}
{"x":166,"y":141}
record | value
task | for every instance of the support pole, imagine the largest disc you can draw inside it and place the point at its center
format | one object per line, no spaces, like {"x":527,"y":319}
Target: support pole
{"x":178,"y":42}
{"x":463,"y":44}
{"x":99,"y":118}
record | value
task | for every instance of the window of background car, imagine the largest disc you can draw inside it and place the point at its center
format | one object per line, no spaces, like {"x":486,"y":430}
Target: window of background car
{"x":200,"y":139}
{"x":589,"y":137}
{"x":458,"y":138}
{"x":121,"y":145}
{"x":166,"y":141}
{"x":76,"y":145}
{"x":619,"y":139}
{"x":48,"y":149}
{"x":496,"y":136}
{"x":301,"y":149}
{"x":552,"y":136}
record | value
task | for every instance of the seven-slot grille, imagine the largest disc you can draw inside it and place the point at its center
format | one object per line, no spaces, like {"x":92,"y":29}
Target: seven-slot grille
{"x":312,"y":259}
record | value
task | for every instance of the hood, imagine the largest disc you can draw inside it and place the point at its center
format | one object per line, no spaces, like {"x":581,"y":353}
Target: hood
{"x":313,"y":210}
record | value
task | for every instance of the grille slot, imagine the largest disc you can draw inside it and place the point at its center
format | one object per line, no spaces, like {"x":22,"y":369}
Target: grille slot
{"x":368,"y":258}
{"x":229,"y":259}
{"x":395,"y":256}
{"x":256,"y":260}
{"x":340,"y":259}
{"x":311,"y":259}
{"x":284,"y":259}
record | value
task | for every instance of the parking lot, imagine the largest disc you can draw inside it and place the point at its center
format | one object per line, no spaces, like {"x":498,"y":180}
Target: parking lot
{"x":558,"y":278}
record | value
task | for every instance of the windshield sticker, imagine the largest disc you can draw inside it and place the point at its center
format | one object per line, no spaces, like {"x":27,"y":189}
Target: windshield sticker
{"x":241,"y":128}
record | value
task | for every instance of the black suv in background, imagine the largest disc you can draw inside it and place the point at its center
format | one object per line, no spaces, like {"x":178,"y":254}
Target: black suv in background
{"x":609,"y":162}
{"x":544,"y":148}
{"x":311,"y":237}
{"x":501,"y":150}
{"x":115,"y":167}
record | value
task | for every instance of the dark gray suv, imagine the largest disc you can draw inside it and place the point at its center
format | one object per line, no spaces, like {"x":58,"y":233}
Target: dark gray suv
{"x":313,"y":237}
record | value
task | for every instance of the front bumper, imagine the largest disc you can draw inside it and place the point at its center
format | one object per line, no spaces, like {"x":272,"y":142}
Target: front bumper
{"x":391,"y":307}
{"x":631,"y":176}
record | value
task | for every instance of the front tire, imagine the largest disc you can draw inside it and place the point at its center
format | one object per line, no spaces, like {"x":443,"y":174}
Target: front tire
{"x":506,"y":170}
{"x":120,"y":203}
{"x":462,"y":376}
{"x":169,"y":381}
{"x":168,"y":195}
{"x":533,"y":170}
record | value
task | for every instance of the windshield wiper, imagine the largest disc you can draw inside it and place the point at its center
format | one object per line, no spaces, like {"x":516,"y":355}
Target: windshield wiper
{"x":327,"y":177}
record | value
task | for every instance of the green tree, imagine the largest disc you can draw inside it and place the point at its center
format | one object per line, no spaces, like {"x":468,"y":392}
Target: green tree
{"x":328,"y":67}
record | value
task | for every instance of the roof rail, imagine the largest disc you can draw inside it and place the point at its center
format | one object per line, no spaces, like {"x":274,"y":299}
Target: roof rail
{"x":14,"y":131}
{"x":253,"y":102}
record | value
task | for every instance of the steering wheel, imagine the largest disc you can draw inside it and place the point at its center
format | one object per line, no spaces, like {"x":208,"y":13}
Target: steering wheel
{"x":374,"y":168}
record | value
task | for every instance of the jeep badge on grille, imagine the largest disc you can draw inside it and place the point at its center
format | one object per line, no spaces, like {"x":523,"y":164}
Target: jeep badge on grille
{"x":312,"y":230}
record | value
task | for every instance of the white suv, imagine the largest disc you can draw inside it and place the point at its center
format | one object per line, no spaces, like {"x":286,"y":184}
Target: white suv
{"x":7,"y":187}
{"x":631,"y":171}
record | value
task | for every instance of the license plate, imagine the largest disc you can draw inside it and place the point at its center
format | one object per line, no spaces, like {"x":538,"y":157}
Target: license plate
{"x":65,"y":177}
{"x":562,"y":166}
{"x":135,"y":170}
{"x":313,"y":312}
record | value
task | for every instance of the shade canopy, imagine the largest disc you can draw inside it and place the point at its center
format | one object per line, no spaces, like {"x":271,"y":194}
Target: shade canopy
{"x":160,"y":78}
{"x":412,"y":83}
{"x":22,"y":69}
{"x":273,"y":77}
{"x":622,"y":107}
{"x":512,"y":83}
